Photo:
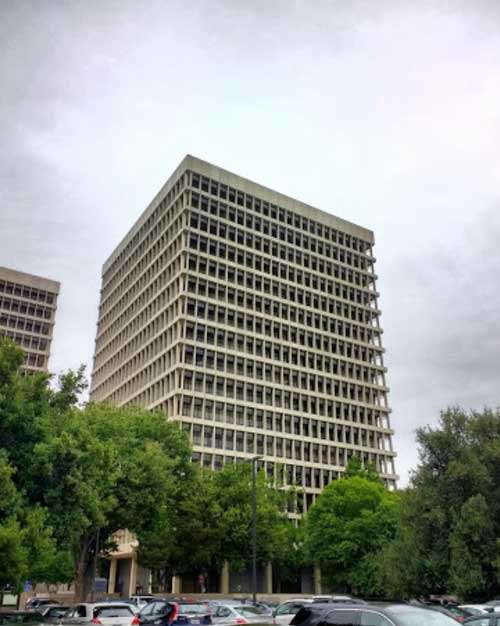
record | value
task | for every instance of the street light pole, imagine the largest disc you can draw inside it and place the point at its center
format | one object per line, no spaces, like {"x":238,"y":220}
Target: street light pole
{"x":254,"y":528}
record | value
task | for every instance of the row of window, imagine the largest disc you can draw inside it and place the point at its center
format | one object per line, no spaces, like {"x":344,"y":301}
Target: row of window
{"x":234,"y":274}
{"x":159,"y":275}
{"x":213,"y":335}
{"x":319,"y":341}
{"x":248,"y":443}
{"x":258,"y":230}
{"x":118,"y":384}
{"x":29,"y":293}
{"x":299,"y":379}
{"x":159,"y":256}
{"x":35,"y":360}
{"x":136,"y":248}
{"x":307,"y":401}
{"x":288,"y":474}
{"x":128,"y":353}
{"x":301,"y":264}
{"x":261,"y":282}
{"x":275,"y":212}
{"x":281,"y":309}
{"x":353,"y":430}
{"x":23,"y":323}
{"x":154,"y":299}
{"x":27,"y":342}
{"x":24,"y":308}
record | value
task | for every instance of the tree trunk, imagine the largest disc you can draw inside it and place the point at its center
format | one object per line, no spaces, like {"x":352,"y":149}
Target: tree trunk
{"x":81,"y":570}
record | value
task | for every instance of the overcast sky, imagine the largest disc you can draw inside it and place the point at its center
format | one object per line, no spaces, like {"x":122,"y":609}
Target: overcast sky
{"x":385,"y":113}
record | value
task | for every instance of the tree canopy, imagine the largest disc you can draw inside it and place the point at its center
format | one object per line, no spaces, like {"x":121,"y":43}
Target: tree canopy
{"x":447,"y":539}
{"x":350,"y":522}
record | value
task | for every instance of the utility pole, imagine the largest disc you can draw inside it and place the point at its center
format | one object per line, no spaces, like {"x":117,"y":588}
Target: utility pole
{"x":254,"y":528}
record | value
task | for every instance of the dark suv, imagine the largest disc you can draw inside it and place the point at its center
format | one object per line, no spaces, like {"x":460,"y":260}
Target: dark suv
{"x":369,"y":615}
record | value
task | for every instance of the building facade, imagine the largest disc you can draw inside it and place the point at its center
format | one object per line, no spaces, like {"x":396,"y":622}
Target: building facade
{"x":252,"y":319}
{"x":28,"y":306}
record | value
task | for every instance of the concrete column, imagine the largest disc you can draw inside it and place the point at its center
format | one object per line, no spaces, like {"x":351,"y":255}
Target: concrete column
{"x":133,"y":577}
{"x":317,"y":580}
{"x":224,"y":578}
{"x":112,"y":575}
{"x":176,"y":584}
{"x":268,"y":583}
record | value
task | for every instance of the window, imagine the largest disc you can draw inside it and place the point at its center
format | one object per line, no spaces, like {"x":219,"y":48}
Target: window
{"x":370,"y":618}
{"x":343,"y":618}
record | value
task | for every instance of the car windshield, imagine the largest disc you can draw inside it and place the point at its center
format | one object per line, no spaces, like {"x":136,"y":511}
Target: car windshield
{"x":249,"y":610}
{"x":260,"y":609}
{"x":112,"y":611}
{"x":194,"y":609}
{"x":411,"y":616}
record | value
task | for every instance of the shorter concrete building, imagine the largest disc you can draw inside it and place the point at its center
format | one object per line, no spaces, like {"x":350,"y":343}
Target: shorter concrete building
{"x":28,"y":306}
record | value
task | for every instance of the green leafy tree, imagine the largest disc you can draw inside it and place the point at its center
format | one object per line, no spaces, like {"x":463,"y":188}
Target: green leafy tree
{"x":69,"y":474}
{"x":450,"y":515}
{"x":349,"y":524}
{"x":211,"y":522}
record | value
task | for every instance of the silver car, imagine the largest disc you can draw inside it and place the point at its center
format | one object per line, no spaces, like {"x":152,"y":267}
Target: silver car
{"x":105,"y":613}
{"x":239,"y":614}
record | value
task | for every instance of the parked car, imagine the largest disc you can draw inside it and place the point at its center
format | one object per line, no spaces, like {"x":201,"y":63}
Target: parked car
{"x":35,"y":603}
{"x":27,"y":618}
{"x":286,"y":611}
{"x":453,"y":611}
{"x":105,"y":613}
{"x":369,"y":615}
{"x":264,"y":608}
{"x":171,"y":613}
{"x":486,"y":619}
{"x":53,"y":613}
{"x":337,"y":599}
{"x":239,"y":614}
{"x":140,"y":601}
{"x":331,"y":598}
{"x":477,"y":609}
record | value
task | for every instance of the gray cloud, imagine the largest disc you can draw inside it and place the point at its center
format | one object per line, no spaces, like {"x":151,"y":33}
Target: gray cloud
{"x":384,"y":113}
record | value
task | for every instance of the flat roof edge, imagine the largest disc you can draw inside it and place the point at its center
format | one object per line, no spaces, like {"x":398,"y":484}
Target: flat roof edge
{"x":30,"y":280}
{"x":215,"y":172}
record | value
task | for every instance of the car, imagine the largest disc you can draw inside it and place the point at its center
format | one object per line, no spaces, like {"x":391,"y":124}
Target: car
{"x":105,"y":613}
{"x":486,"y":619}
{"x":53,"y":613}
{"x":35,"y":603}
{"x":477,"y":609}
{"x":20,"y":617}
{"x":141,"y":600}
{"x":162,"y":612}
{"x":337,"y":599}
{"x":286,"y":611}
{"x":369,"y":615}
{"x":452,"y":610}
{"x":238,"y":614}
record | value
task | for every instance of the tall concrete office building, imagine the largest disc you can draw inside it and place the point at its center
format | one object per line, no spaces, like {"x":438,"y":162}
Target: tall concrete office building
{"x":252,"y":319}
{"x":28,"y":306}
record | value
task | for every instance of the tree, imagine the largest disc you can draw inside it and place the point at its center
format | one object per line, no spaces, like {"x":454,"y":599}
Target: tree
{"x":212,"y":523}
{"x":349,"y":524}
{"x":69,"y":474}
{"x":104,"y":468}
{"x":450,"y":515}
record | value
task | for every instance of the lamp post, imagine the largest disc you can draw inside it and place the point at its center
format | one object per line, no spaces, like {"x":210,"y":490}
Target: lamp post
{"x":254,"y":528}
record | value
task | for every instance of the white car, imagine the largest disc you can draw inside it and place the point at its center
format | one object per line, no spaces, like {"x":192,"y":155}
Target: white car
{"x":229,"y":614}
{"x":141,"y":600}
{"x":286,"y":611}
{"x":477,"y":609}
{"x":105,"y":613}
